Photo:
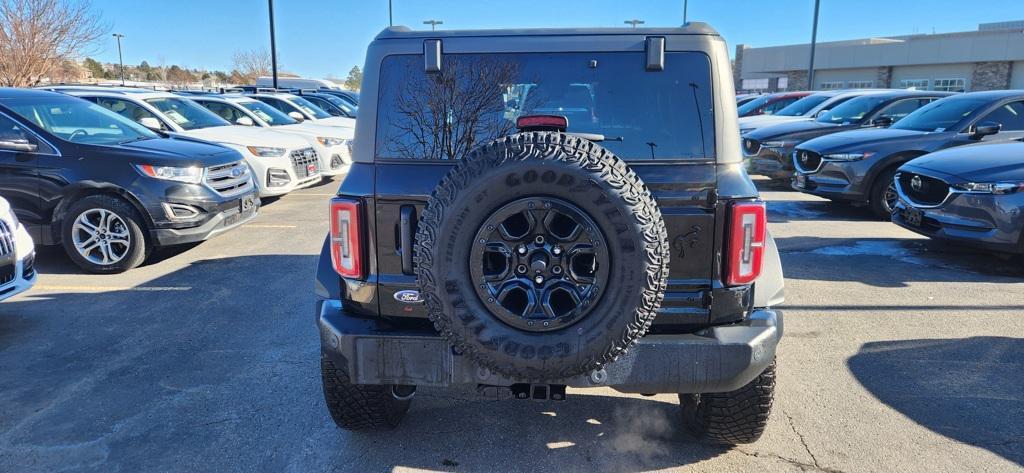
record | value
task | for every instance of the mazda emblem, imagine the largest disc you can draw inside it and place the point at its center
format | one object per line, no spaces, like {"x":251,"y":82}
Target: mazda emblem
{"x":804,"y":157}
{"x":236,"y":172}
{"x":915,"y":183}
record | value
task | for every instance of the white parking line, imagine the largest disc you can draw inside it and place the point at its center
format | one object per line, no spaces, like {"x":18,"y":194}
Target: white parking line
{"x":53,"y":288}
{"x":260,"y":225}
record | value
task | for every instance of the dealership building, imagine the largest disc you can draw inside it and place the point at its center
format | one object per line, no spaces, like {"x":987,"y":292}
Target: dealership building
{"x":987,"y":59}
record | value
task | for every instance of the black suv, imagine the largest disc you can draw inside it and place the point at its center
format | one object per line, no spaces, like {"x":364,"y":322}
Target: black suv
{"x":859,"y":166}
{"x":768,"y":149}
{"x":108,"y":189}
{"x":477,"y":241}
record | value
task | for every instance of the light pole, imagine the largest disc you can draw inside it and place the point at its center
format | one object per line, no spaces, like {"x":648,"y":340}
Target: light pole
{"x":120,"y":58}
{"x":433,"y":24}
{"x":634,"y":22}
{"x":391,"y":19}
{"x":686,"y":3}
{"x":814,"y":39}
{"x":273,"y":43}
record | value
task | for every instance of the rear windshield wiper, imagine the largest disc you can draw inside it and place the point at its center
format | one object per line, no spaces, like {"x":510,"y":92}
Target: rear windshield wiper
{"x":595,"y":137}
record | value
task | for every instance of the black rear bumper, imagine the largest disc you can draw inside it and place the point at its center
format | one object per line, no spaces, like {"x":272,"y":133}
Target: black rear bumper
{"x":716,"y":359}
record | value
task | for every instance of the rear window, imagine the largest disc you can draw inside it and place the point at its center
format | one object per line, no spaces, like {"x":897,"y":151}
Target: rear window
{"x":477,"y":97}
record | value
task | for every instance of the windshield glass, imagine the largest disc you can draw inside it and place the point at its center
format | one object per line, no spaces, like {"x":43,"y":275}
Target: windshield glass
{"x":852,"y":111}
{"x":802,"y":106}
{"x":343,"y":105}
{"x":309,"y":108}
{"x":940,"y":115}
{"x":635,"y":114}
{"x":186,"y":113}
{"x":753,"y":105}
{"x":271,"y":115}
{"x":80,"y":121}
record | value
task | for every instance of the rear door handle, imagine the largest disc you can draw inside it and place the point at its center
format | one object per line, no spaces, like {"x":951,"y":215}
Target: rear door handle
{"x":407,"y":221}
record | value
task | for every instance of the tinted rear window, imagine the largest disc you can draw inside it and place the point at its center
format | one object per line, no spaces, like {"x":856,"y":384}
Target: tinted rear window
{"x":477,"y":97}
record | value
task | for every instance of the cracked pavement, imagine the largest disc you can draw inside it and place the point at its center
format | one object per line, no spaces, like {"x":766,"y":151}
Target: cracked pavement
{"x":900,"y":354}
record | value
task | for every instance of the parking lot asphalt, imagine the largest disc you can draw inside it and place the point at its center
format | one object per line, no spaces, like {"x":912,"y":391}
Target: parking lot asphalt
{"x":900,"y":354}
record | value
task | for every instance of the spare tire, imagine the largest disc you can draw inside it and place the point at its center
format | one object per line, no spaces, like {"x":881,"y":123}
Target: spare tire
{"x":541,"y":256}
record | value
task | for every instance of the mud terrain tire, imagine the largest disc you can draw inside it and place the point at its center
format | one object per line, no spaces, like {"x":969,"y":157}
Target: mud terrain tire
{"x":538,"y":168}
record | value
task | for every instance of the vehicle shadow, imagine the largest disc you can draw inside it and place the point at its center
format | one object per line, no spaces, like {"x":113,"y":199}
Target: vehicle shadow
{"x":54,"y":260}
{"x":593,"y":433}
{"x":894,"y":261}
{"x":970,"y":390}
{"x":215,"y":367}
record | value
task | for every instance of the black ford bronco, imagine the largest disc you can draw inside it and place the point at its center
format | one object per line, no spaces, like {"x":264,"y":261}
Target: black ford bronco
{"x":535,"y":209}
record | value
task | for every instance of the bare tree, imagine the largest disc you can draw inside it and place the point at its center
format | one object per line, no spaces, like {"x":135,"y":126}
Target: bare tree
{"x":251,"y":64}
{"x":38,"y":36}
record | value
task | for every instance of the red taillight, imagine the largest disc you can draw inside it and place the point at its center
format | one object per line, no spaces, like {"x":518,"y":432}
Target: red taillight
{"x":747,"y":234}
{"x":542,"y":121}
{"x":346,"y":237}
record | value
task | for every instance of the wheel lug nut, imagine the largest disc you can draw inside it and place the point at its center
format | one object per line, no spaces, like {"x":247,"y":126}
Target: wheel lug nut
{"x":539,"y":240}
{"x":557,"y":251}
{"x":521,"y":268}
{"x":539,"y":279}
{"x":556,"y":270}
{"x":521,"y":249}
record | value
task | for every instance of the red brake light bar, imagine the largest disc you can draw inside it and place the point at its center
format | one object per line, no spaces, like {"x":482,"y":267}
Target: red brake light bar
{"x":747,"y":237}
{"x":556,"y":122}
{"x":346,"y":237}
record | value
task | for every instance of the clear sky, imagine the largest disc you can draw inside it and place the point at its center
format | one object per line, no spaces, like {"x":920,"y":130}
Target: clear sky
{"x":318,"y":38}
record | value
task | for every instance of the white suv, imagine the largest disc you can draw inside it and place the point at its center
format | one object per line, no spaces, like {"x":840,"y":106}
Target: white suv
{"x":281,"y":162}
{"x":332,"y":143}
{"x":301,"y":109}
{"x":17,"y":254}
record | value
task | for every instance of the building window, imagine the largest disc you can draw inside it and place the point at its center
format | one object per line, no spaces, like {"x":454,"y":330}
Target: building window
{"x":755,"y":84}
{"x":919,"y":84}
{"x":831,"y":85}
{"x":860,"y":84}
{"x":950,"y":85}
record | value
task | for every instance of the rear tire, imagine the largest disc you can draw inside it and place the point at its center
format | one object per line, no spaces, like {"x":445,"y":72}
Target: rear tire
{"x":362,"y":406}
{"x":104,"y":234}
{"x":883,"y":194}
{"x":732,"y":417}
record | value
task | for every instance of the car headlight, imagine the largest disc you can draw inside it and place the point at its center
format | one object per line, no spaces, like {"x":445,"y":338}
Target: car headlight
{"x":779,"y":144}
{"x":190,"y":175}
{"x":990,"y":187}
{"x":13,"y":217}
{"x":329,"y":142}
{"x":266,"y":151}
{"x":848,"y":156}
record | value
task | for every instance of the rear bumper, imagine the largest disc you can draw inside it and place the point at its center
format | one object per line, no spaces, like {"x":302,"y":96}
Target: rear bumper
{"x":717,"y":359}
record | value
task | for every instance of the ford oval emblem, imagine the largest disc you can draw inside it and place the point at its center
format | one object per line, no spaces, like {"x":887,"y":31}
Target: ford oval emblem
{"x":236,"y":172}
{"x":408,"y":296}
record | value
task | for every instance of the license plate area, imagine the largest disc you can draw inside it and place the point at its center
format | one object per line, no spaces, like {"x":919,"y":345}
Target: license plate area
{"x":912,"y":216}
{"x":801,"y":181}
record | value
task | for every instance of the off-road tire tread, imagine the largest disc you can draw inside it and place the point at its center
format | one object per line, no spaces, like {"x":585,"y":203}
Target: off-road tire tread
{"x":733,"y":417}
{"x":591,"y":158}
{"x":359,"y":406}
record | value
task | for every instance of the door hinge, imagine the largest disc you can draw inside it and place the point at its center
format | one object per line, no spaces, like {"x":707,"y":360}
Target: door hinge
{"x":708,"y":299}
{"x":713,"y":198}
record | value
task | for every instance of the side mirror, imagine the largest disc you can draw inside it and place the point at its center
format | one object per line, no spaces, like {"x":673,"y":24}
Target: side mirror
{"x":820,"y":113}
{"x":245,"y":121}
{"x":151,"y":123}
{"x":882,"y":122}
{"x":985,"y":129}
{"x":296,"y":115}
{"x":19,"y":145}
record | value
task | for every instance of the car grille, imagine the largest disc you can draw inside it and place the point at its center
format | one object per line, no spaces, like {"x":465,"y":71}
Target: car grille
{"x":6,"y":239}
{"x":6,"y":274}
{"x":806,"y":161}
{"x":922,"y":190}
{"x":751,"y":147}
{"x":302,"y":159}
{"x":229,"y":179}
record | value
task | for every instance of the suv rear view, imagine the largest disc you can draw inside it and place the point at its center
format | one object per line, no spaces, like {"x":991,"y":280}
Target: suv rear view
{"x":560,"y":215}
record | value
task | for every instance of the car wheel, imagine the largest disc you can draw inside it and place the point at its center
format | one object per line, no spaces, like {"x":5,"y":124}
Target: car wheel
{"x":103,"y":234}
{"x":362,"y":406}
{"x":541,"y":256}
{"x":732,"y":417}
{"x":883,"y":196}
